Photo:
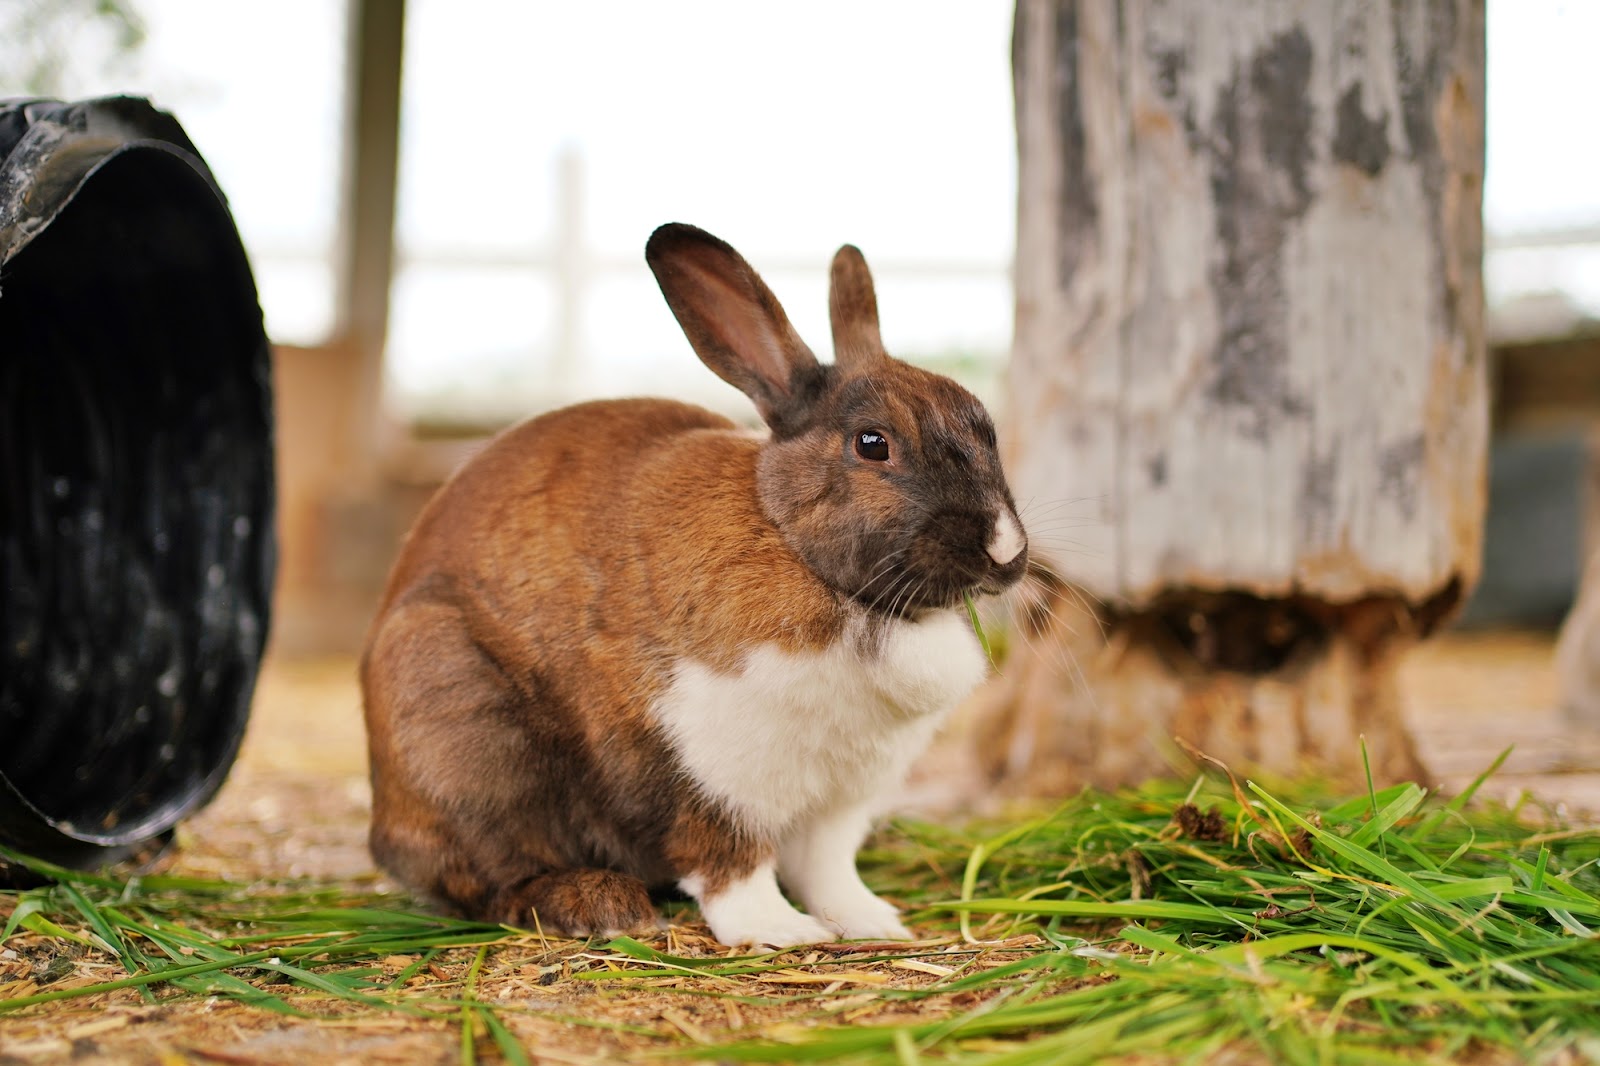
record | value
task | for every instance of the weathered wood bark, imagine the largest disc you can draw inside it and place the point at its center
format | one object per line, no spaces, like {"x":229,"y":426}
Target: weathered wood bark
{"x":1248,"y":390}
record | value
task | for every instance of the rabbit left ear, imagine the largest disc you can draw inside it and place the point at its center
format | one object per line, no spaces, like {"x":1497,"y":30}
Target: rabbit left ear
{"x":735,"y":324}
{"x":853,"y":310}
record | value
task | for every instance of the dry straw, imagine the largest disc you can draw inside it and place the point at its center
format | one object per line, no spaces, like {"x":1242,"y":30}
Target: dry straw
{"x":1159,"y":924}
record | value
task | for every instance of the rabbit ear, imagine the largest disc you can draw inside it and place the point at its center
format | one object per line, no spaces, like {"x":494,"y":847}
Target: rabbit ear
{"x":735,"y":324}
{"x":853,"y":309}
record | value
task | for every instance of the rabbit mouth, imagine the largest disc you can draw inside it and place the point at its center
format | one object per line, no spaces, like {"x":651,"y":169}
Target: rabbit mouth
{"x":910,"y":591}
{"x":913,"y":599}
{"x":1003,"y":576}
{"x":952,"y":557}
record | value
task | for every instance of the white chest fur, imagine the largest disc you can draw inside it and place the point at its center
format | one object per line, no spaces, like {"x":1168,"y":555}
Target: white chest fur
{"x":792,"y":735}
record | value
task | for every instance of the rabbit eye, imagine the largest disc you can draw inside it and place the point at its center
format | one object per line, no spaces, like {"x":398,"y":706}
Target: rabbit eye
{"x":872,"y":446}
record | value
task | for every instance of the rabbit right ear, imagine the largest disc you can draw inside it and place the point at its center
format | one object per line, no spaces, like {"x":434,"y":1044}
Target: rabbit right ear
{"x":853,"y":310}
{"x":735,"y":324}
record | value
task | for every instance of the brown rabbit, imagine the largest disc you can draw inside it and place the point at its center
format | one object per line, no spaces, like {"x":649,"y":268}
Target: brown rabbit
{"x":631,"y":646}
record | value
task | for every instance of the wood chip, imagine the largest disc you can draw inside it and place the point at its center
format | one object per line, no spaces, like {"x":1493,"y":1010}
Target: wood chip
{"x":922,"y":967}
{"x":100,"y":1025}
{"x":800,"y":977}
{"x":82,"y":981}
{"x":886,"y":947}
{"x":860,"y":999}
{"x":550,"y":1054}
{"x":46,"y":1045}
{"x":685,"y":1025}
{"x":1027,"y":940}
{"x":855,"y":1015}
{"x":231,"y":1058}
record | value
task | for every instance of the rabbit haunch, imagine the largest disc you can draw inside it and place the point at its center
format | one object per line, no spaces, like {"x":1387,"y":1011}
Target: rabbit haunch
{"x":629,"y":645}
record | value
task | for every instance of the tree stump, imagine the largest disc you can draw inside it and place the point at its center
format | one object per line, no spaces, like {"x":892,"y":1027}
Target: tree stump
{"x":1248,"y":396}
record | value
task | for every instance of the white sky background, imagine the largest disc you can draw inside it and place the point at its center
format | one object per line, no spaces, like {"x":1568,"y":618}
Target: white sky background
{"x":787,"y":129}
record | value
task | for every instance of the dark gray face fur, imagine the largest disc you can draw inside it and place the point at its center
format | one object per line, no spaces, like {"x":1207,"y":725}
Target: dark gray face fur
{"x":904,"y":534}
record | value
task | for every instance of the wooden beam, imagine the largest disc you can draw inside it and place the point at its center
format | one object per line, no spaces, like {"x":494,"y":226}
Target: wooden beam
{"x":1548,"y":383}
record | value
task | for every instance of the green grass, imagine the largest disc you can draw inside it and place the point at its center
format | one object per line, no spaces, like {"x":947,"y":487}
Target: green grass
{"x":1173,"y":922}
{"x":167,"y":931}
{"x":978,"y":630}
{"x":1314,"y":930}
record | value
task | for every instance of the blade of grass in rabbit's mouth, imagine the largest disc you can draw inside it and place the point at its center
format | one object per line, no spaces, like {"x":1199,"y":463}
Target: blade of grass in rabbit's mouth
{"x":977,"y":627}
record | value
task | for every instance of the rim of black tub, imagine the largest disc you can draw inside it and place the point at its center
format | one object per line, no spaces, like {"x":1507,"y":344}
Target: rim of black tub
{"x":136,"y":480}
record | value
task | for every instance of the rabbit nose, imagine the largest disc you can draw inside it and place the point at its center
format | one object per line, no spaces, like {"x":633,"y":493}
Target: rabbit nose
{"x":1007,"y":540}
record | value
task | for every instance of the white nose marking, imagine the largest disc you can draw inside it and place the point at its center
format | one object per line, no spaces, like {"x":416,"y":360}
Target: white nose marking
{"x":1007,"y":540}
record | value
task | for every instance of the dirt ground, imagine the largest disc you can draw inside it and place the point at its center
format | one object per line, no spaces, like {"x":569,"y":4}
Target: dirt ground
{"x":296,"y":805}
{"x":297,"y":802}
{"x":1470,"y":696}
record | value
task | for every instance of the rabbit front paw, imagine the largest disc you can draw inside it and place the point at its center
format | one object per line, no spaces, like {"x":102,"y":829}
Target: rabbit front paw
{"x":751,"y":910}
{"x":775,"y":931}
{"x":866,"y":918}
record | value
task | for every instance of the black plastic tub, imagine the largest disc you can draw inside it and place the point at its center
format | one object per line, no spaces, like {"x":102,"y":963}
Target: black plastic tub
{"x":136,"y":481}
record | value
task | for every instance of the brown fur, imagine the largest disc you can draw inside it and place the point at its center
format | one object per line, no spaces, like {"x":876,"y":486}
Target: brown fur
{"x":488,"y":689}
{"x":546,"y":592}
{"x":853,"y":310}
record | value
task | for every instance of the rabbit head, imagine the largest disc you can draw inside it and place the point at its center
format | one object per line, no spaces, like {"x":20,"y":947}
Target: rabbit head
{"x":885,"y":478}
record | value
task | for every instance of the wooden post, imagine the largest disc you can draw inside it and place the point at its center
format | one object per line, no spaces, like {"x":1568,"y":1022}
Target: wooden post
{"x":1248,"y":392}
{"x":337,"y":514}
{"x":365,"y":259}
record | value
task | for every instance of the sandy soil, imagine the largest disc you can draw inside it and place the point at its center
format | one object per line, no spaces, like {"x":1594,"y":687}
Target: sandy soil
{"x":1471,"y":696}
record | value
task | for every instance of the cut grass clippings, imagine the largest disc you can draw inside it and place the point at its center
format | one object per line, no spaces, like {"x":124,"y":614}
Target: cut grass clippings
{"x":1159,"y":924}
